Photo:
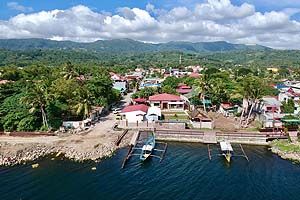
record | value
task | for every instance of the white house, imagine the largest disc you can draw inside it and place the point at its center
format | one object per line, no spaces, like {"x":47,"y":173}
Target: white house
{"x":153,"y":114}
{"x":134,"y":113}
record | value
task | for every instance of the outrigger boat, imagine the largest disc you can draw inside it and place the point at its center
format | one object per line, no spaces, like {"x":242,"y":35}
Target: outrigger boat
{"x":226,"y":149}
{"x":147,"y":148}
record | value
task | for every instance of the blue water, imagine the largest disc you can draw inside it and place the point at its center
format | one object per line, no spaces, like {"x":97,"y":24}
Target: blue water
{"x":185,"y":173}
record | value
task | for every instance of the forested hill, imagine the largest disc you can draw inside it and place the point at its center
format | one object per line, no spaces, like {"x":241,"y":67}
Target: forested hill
{"x":125,"y":45}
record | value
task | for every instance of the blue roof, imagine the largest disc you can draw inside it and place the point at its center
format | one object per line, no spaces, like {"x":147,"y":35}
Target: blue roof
{"x":281,"y":86}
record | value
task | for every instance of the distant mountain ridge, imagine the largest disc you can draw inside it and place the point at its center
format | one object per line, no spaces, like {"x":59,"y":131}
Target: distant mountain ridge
{"x":126,"y":45}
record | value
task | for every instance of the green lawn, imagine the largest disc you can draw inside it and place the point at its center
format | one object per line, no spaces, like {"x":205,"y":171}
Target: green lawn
{"x":185,"y":117}
{"x":173,"y":113}
{"x":286,"y":146}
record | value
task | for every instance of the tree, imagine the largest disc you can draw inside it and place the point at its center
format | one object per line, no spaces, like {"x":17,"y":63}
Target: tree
{"x":37,"y":97}
{"x":168,"y":89}
{"x":288,"y":107}
{"x":171,"y":81}
{"x":69,"y":71}
{"x":202,"y":86}
{"x":14,"y":115}
{"x":83,"y":101}
{"x":252,"y":89}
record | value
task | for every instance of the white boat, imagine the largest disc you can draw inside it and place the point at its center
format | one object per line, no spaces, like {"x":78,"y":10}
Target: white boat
{"x":226,"y":149}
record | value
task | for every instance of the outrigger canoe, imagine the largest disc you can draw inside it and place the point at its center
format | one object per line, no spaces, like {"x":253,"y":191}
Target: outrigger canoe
{"x":147,"y":148}
{"x":226,"y":149}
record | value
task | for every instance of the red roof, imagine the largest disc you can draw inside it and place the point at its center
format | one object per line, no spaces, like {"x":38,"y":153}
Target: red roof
{"x":165,"y":97}
{"x":139,"y":107}
{"x":183,"y":91}
{"x":194,"y":75}
{"x":140,"y":100}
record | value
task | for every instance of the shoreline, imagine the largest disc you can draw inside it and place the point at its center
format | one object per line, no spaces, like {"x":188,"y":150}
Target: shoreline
{"x":286,"y":155}
{"x":94,"y":145}
{"x":37,"y":151}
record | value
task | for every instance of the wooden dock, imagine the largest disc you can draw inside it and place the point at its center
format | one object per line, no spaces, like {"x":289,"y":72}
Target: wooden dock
{"x":119,"y":139}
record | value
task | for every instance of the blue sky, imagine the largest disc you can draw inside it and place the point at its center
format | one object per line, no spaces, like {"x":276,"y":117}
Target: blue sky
{"x":273,"y":23}
{"x":112,"y":5}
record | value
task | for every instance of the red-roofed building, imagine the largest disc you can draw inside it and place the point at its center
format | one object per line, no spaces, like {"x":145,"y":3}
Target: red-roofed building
{"x":116,"y":77}
{"x":167,"y":101}
{"x":194,"y":75}
{"x":134,"y":113}
{"x":183,"y":89}
{"x":139,"y":101}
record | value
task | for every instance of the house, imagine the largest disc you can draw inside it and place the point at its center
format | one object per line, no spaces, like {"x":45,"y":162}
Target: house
{"x":270,"y":104}
{"x":116,"y":77}
{"x":183,"y":89}
{"x":199,"y":120}
{"x":120,"y":86}
{"x":194,"y":75}
{"x":167,"y":101}
{"x":151,"y":82}
{"x":139,"y":101}
{"x":290,"y":93}
{"x":228,"y":109}
{"x":134,"y":113}
{"x":153,"y":114}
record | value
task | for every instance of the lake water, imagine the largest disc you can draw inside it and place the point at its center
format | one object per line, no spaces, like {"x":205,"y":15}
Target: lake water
{"x":185,"y":173}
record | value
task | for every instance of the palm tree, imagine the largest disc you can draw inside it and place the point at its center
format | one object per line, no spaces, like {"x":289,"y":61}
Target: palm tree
{"x":83,"y":102}
{"x":251,"y":88}
{"x":37,"y":98}
{"x":202,"y":86}
{"x":69,"y":71}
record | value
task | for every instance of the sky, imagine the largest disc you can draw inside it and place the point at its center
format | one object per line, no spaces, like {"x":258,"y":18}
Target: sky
{"x":273,"y":23}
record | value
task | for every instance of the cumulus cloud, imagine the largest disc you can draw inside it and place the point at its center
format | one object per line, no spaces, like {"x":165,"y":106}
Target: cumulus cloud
{"x":214,"y":20}
{"x":18,"y":7}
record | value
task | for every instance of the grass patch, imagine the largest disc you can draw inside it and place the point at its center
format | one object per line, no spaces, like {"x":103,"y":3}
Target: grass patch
{"x":185,"y":117}
{"x":286,"y":146}
{"x":174,"y":113}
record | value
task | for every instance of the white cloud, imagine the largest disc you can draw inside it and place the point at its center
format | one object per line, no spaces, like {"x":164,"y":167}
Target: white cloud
{"x":211,"y":21}
{"x":18,"y":7}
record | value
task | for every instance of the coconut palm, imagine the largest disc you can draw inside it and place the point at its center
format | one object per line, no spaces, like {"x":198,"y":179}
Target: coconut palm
{"x":202,"y":86}
{"x":83,"y":102}
{"x":37,"y":98}
{"x":69,"y":71}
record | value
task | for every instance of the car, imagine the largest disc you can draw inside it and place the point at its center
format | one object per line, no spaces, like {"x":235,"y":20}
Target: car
{"x":118,"y":116}
{"x":117,"y":110}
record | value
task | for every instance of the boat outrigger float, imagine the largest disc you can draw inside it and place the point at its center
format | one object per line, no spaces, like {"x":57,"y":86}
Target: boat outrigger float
{"x":147,"y":148}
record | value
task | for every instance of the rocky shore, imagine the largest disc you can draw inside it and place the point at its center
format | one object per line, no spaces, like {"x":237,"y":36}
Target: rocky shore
{"x":295,"y":156}
{"x":35,"y":151}
{"x":286,"y":150}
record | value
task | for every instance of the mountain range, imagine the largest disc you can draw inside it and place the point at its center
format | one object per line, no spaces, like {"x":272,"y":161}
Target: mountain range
{"x":126,"y":45}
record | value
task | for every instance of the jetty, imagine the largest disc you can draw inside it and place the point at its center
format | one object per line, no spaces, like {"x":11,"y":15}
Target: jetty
{"x":137,"y":140}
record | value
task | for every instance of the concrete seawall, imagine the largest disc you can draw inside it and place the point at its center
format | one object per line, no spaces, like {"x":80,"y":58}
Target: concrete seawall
{"x":213,"y":137}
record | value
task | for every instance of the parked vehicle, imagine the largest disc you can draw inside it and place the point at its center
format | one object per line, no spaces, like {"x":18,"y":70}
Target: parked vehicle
{"x":117,"y":110}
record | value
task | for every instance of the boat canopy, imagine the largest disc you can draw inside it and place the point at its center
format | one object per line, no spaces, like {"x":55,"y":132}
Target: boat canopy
{"x":147,"y":147}
{"x":226,"y":146}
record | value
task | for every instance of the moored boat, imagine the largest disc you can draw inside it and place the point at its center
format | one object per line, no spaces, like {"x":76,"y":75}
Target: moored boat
{"x":226,"y":149}
{"x":147,"y":148}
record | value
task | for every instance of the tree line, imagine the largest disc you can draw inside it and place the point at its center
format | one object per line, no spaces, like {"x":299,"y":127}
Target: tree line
{"x":40,"y":97}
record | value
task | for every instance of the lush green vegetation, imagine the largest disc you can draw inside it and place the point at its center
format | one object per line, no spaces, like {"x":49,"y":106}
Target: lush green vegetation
{"x":286,"y":146}
{"x":40,"y":97}
{"x":125,"y":45}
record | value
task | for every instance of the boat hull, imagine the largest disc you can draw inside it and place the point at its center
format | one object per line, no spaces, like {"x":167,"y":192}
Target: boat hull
{"x":147,"y":148}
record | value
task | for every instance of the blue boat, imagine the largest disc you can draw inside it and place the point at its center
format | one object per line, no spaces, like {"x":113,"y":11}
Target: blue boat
{"x":147,"y":148}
